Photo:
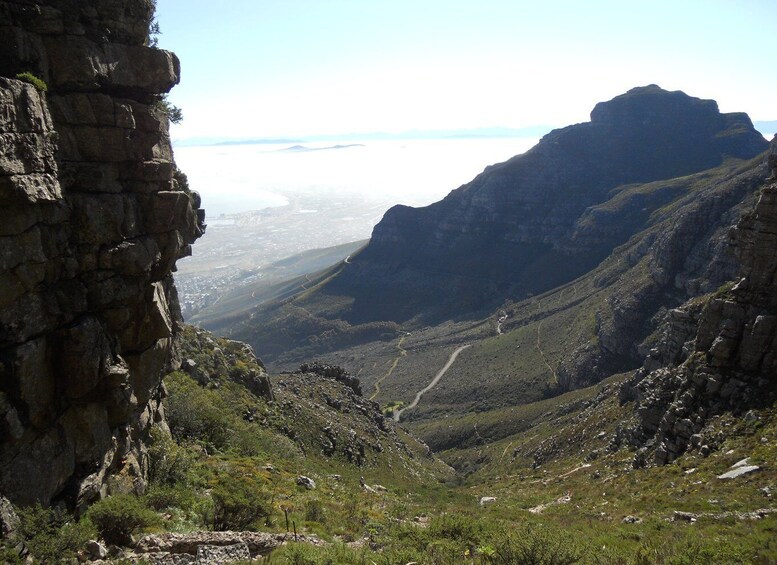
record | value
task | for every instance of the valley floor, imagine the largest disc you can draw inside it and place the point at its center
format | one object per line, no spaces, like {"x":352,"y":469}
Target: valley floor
{"x":546,"y":482}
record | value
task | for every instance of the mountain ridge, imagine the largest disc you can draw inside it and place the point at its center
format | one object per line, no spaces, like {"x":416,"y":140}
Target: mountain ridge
{"x":95,"y":448}
{"x":384,"y":282}
{"x":524,"y":208}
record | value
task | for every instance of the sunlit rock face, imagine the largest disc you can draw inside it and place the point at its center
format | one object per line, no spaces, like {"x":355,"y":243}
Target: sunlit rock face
{"x":716,"y":355}
{"x":542,"y":218}
{"x":91,"y":225}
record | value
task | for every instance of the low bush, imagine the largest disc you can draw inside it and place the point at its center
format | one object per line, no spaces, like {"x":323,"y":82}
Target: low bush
{"x":536,"y":544}
{"x":161,"y":497}
{"x":314,"y":511}
{"x":33,"y":80}
{"x":52,"y":536}
{"x":169,"y":463}
{"x":174,"y":113}
{"x":9,"y":555}
{"x":457,"y":527}
{"x":118,"y":517}
{"x":214,"y":419}
{"x":239,"y":500}
{"x":195,"y":413}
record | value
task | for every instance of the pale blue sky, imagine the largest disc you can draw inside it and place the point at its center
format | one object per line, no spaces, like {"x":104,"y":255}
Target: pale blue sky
{"x":270,"y":68}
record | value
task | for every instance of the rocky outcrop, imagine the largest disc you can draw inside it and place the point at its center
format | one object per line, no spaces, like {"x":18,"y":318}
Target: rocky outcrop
{"x":545,"y":217}
{"x":9,"y":521}
{"x":316,"y":411}
{"x":718,"y":353}
{"x":333,"y":372}
{"x":211,"y":361}
{"x":212,"y":547}
{"x":338,"y":421}
{"x":92,"y":222}
{"x":685,"y":251}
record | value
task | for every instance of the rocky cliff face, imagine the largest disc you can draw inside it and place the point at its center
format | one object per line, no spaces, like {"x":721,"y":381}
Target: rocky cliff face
{"x":684,"y":251}
{"x":545,"y":217}
{"x":718,"y":353}
{"x":92,"y":222}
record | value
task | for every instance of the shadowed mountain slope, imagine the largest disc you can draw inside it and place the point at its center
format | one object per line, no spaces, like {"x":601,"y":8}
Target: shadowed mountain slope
{"x":520,"y":227}
{"x":579,"y":204}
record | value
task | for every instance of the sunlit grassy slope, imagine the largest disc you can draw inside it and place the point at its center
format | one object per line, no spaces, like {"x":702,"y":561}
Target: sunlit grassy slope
{"x":567,"y":337}
{"x":275,"y":281}
{"x":563,"y":486}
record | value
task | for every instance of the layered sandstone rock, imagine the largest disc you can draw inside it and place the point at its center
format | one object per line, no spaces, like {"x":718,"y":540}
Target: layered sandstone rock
{"x":91,"y":223}
{"x":718,"y":354}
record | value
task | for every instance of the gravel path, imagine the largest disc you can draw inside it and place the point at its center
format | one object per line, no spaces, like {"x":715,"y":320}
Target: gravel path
{"x":432,"y":384}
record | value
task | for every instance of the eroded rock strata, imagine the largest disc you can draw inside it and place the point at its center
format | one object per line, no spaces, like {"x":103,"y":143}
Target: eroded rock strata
{"x":91,"y":224}
{"x":718,"y":353}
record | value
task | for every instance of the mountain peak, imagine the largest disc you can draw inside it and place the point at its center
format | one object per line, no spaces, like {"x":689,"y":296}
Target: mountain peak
{"x":651,"y":103}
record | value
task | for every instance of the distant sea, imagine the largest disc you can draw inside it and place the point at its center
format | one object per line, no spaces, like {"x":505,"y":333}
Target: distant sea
{"x":234,"y":178}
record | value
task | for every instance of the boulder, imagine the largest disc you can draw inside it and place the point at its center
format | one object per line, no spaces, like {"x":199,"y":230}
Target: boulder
{"x":9,"y":521}
{"x":306,"y":482}
{"x":96,"y":550}
{"x":218,"y":554}
{"x":740,"y":468}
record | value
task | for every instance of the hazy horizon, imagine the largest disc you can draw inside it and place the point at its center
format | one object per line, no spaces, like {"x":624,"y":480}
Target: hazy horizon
{"x":767,"y":128}
{"x":497,"y":132}
{"x":235,"y":178}
{"x":276,"y":69}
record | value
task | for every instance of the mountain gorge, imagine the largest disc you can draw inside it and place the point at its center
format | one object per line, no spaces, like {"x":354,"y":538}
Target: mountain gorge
{"x":574,"y":239}
{"x":569,"y":359}
{"x":602,"y":323}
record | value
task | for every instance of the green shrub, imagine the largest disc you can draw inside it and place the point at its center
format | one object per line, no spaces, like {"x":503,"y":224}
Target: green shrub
{"x":9,"y":555}
{"x":457,"y":527}
{"x":52,"y":536}
{"x":314,"y":511}
{"x":239,"y":500}
{"x":340,"y":554}
{"x":181,"y":178}
{"x":169,"y":463}
{"x":195,"y":413}
{"x":302,"y":554}
{"x":213,"y":418}
{"x":33,"y":80}
{"x":174,"y":113}
{"x":537,"y":544}
{"x":119,"y":516}
{"x":161,"y":497}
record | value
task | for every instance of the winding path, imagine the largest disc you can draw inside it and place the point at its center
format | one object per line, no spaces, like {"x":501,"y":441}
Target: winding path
{"x":542,"y":354}
{"x":402,"y":353}
{"x":432,"y":384}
